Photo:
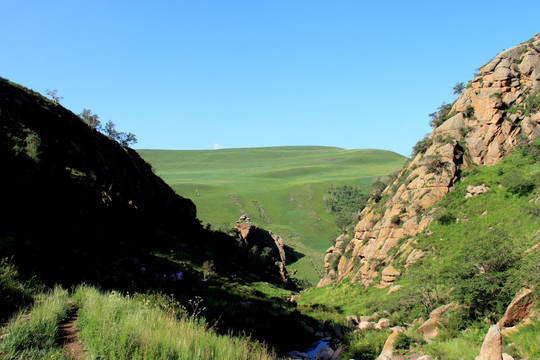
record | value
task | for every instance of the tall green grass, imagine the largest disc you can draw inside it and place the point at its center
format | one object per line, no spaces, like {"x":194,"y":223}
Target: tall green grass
{"x":35,"y":335}
{"x":526,"y":342}
{"x":113,"y":326}
{"x":464,"y":347}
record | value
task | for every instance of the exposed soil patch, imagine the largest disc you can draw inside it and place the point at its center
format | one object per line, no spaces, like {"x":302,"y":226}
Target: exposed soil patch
{"x":69,"y":337}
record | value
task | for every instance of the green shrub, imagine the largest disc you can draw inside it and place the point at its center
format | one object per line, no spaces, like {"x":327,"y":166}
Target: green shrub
{"x":469,"y":111}
{"x":532,"y":103}
{"x":344,"y":203}
{"x":14,"y":293}
{"x":365,"y":345}
{"x":435,"y":166}
{"x":441,"y":115}
{"x":517,"y":184}
{"x":483,"y":279}
{"x":403,"y":342}
{"x":446,"y":218}
{"x":422,"y":145}
{"x":465,"y":130}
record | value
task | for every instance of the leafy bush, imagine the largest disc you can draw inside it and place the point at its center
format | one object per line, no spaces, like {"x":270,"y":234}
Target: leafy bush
{"x":422,"y":145}
{"x":446,"y":218}
{"x":344,"y":203}
{"x":403,"y":342}
{"x":435,"y":166}
{"x":365,"y":345}
{"x":14,"y":293}
{"x":532,"y":103}
{"x":458,"y":88}
{"x":518,"y":184}
{"x":483,"y":279}
{"x":469,"y":111}
{"x":441,"y":115}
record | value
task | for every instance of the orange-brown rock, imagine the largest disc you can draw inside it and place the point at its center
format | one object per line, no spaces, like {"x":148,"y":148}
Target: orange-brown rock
{"x":492,"y":345}
{"x":263,"y":239}
{"x":388,"y":348}
{"x":519,"y":308}
{"x":430,"y":328}
{"x":479,"y":132}
{"x":389,"y":275}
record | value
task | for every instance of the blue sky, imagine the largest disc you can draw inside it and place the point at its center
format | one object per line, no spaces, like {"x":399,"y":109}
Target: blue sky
{"x":228,"y":74}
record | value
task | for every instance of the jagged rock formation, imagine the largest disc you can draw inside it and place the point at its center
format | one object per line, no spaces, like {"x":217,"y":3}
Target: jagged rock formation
{"x":264,"y":241}
{"x":492,"y":345}
{"x":497,"y":111}
{"x":520,"y":307}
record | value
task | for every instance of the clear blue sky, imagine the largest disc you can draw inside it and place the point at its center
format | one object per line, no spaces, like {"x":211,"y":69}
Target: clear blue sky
{"x":204,"y":74}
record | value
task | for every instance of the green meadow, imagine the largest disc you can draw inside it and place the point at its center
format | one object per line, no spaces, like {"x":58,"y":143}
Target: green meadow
{"x":281,"y":189}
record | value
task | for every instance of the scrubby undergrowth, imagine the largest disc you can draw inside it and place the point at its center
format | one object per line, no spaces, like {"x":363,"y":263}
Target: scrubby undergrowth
{"x":116,"y":326}
{"x":478,"y":253}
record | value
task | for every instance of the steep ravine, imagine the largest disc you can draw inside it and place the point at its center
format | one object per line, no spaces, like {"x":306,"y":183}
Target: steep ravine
{"x":497,"y":111}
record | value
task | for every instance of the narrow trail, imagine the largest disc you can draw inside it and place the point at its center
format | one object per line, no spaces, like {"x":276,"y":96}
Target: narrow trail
{"x":69,"y":337}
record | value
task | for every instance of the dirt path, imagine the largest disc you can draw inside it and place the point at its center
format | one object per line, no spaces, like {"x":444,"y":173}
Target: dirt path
{"x":69,"y":337}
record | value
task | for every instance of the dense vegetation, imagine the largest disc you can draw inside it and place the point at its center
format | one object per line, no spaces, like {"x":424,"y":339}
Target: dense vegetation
{"x":344,"y":203}
{"x":281,"y":189}
{"x":481,"y":252}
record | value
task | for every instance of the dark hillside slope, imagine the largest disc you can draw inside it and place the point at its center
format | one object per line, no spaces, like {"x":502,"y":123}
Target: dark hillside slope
{"x":80,"y":207}
{"x":73,"y":199}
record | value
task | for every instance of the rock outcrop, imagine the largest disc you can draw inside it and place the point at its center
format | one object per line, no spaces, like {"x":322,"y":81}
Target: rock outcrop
{"x":265,"y":242}
{"x":491,"y":116}
{"x":430,"y":328}
{"x":520,"y":307}
{"x":492,"y":345}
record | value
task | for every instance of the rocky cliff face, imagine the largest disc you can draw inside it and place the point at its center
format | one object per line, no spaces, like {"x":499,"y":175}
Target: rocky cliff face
{"x":498,"y":110}
{"x":263,"y":241}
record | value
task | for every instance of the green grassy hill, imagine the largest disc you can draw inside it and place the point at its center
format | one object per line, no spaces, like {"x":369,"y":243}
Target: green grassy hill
{"x":279,"y":188}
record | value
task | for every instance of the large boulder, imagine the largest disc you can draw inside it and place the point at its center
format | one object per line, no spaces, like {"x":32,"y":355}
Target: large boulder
{"x":263,"y":239}
{"x":324,"y":353}
{"x":382,"y":323}
{"x":366,"y":325}
{"x":430,"y":328}
{"x":473,"y":191}
{"x":519,"y":308}
{"x":492,"y":345}
{"x":389,"y":275}
{"x":388,"y":348}
{"x":338,"y":353}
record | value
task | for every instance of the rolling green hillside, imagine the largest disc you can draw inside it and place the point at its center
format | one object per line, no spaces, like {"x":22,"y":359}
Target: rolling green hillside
{"x":279,"y":188}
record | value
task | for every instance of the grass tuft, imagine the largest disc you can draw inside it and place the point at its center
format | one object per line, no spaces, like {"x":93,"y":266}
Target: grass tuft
{"x":113,"y":326}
